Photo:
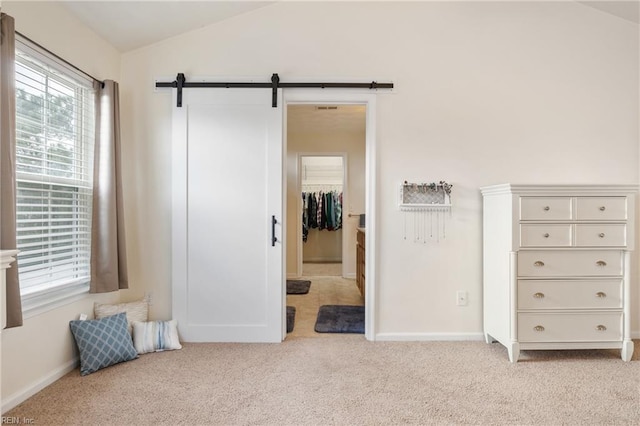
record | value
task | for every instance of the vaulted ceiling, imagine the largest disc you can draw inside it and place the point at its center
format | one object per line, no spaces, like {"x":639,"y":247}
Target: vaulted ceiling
{"x":628,"y":10}
{"x":128,"y":25}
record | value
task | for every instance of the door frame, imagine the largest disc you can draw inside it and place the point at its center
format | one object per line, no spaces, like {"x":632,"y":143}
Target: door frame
{"x":345,"y":198}
{"x":347,"y":97}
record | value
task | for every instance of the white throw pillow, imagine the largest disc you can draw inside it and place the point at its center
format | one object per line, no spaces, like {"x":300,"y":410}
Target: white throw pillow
{"x":136,"y":311}
{"x":156,"y":336}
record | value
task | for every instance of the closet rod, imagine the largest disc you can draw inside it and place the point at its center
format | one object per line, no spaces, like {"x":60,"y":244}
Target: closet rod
{"x":181,"y":83}
{"x":59,"y":58}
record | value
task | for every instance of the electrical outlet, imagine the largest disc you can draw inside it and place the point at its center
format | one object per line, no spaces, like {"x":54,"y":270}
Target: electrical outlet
{"x":461,"y":298}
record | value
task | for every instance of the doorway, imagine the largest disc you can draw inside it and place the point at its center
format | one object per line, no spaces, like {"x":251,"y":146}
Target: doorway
{"x":322,"y":181}
{"x":326,"y":155}
{"x":263,"y":319}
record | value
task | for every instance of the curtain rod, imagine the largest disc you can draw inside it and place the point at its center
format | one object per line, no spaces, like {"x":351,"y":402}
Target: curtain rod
{"x":60,"y":58}
{"x":181,"y":83}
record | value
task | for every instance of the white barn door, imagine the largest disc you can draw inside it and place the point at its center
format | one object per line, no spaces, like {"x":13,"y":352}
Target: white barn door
{"x":227,"y":186}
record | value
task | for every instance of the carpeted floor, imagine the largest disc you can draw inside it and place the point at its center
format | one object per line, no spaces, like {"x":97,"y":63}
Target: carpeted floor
{"x":342,"y":379}
{"x":346,"y":380}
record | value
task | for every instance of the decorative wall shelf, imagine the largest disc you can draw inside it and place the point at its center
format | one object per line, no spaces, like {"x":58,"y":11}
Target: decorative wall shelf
{"x":425,"y":196}
{"x":427,"y":205}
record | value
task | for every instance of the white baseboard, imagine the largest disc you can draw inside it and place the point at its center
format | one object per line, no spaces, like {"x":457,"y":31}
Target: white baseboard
{"x":351,"y":276}
{"x":635,"y":334}
{"x":35,"y":387}
{"x":428,"y":337}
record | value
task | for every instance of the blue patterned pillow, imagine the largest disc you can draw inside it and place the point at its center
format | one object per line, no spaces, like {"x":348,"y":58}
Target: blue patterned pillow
{"x":102,"y":342}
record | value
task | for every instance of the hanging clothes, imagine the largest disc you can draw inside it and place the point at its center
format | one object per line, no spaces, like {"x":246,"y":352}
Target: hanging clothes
{"x":305,"y":217}
{"x":321,"y":210}
{"x":312,"y":208}
{"x":338,"y":210}
{"x":329,"y":211}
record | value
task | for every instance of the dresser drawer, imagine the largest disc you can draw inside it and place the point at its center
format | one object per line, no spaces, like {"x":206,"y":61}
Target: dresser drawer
{"x":545,"y":208}
{"x":568,"y":327}
{"x":545,"y":235}
{"x":574,"y":294}
{"x":599,"y":235}
{"x":601,"y":208}
{"x":569,"y":263}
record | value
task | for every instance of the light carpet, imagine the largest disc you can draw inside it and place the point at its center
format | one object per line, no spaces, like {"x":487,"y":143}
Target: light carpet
{"x":347,"y":380}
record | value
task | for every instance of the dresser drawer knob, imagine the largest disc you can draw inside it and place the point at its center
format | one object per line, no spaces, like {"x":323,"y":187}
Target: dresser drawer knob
{"x":538,"y":295}
{"x":538,"y":328}
{"x":601,"y":263}
{"x":546,"y":235}
{"x":547,"y":208}
{"x":538,"y":263}
{"x":601,"y":235}
{"x":602,"y":208}
{"x":601,"y":328}
{"x":601,"y":295}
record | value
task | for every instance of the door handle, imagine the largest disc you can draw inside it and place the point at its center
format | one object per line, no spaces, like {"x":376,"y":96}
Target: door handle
{"x":273,"y":231}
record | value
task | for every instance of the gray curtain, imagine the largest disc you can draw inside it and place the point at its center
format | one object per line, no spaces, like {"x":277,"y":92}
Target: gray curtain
{"x":8,"y":164}
{"x":108,"y":252}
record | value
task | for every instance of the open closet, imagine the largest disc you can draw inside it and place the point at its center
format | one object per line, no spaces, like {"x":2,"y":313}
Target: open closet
{"x":321,"y":179}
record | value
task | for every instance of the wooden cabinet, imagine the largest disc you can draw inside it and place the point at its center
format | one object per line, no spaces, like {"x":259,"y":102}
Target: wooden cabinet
{"x":360,"y":244}
{"x":557,"y":266}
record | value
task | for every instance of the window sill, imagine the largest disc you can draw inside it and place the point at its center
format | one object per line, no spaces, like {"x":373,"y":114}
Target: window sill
{"x":39,"y":302}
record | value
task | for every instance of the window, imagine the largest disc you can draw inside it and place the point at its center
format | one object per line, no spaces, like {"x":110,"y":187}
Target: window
{"x":54,"y":154}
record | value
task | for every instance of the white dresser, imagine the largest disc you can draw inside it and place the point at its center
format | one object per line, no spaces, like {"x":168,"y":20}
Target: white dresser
{"x":557,"y":265}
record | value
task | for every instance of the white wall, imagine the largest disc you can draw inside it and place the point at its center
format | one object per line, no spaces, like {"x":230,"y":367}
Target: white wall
{"x":43,"y":348}
{"x":486,"y":92}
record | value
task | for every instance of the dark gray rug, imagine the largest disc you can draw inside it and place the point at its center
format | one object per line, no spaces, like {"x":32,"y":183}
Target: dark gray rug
{"x":340,"y":319}
{"x":291,"y":318}
{"x":298,"y":286}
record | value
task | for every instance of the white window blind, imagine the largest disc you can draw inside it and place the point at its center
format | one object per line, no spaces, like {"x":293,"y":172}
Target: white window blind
{"x":55,"y":116}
